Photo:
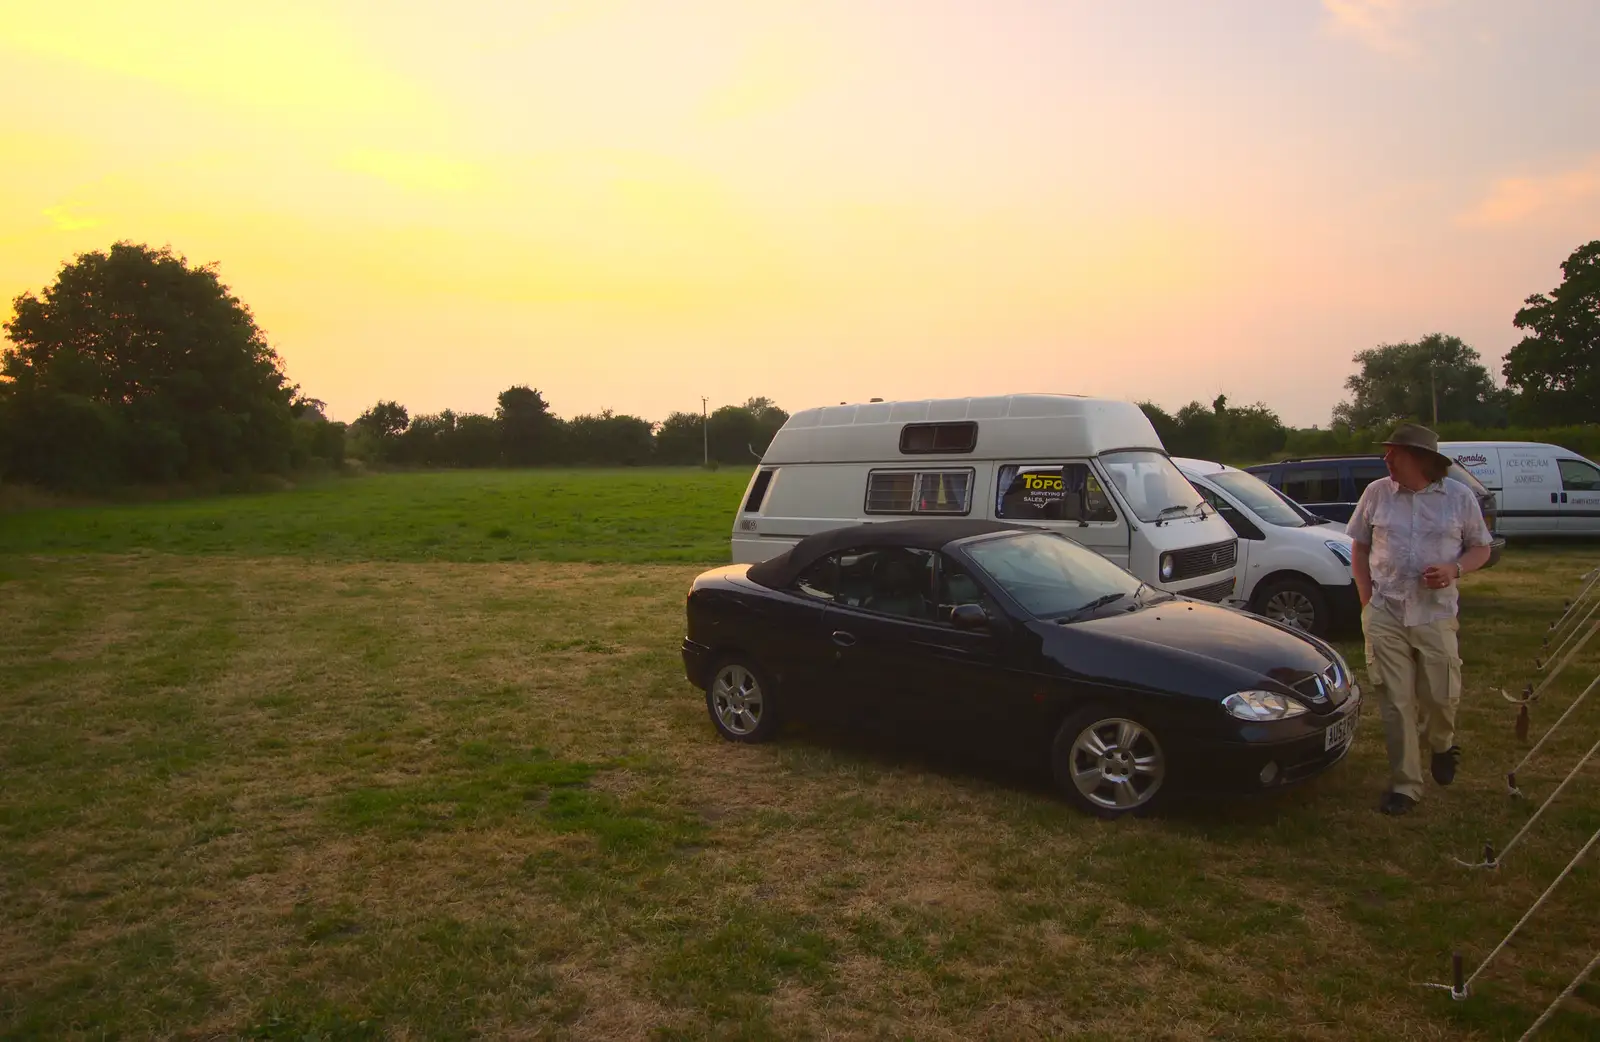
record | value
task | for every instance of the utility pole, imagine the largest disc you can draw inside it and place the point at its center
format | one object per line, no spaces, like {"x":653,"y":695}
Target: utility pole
{"x":1433,"y":389}
{"x":705,"y":431}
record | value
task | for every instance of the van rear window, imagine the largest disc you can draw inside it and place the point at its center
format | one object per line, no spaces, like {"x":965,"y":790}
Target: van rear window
{"x":919,"y":492}
{"x":758,"y":492}
{"x":939,"y":437}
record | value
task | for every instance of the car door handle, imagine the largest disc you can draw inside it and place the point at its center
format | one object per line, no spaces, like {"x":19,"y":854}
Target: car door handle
{"x":1552,"y":497}
{"x":843,"y":639}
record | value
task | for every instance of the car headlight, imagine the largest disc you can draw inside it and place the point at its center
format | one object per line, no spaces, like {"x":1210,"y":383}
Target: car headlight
{"x":1261,"y":705}
{"x":1166,"y":568}
{"x":1340,"y":550}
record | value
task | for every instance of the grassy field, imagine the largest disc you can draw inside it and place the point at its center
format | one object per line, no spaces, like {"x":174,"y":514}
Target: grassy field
{"x":469,"y":516}
{"x":344,"y":763}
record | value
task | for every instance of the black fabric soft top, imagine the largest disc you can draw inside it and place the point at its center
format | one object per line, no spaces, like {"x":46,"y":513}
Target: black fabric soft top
{"x":917,"y":533}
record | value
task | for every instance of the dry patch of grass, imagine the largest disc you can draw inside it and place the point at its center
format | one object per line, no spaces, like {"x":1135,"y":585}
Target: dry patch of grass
{"x":275,"y":799}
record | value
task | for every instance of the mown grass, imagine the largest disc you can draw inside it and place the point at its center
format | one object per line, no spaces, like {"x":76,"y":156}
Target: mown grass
{"x":471,"y":516}
{"x":283,"y":797}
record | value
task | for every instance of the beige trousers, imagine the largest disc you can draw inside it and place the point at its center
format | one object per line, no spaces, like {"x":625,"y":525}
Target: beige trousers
{"x":1415,"y":672}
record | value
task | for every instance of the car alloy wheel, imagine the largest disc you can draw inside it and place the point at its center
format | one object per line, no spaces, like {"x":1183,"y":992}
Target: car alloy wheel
{"x":1293,"y":602}
{"x":736,"y":699}
{"x":1113,"y":765}
{"x":740,"y":702}
{"x":1292,"y":608}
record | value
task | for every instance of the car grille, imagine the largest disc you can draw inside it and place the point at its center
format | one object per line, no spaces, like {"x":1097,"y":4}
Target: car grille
{"x":1214,"y":592}
{"x":1335,"y":684}
{"x":1203,"y":560}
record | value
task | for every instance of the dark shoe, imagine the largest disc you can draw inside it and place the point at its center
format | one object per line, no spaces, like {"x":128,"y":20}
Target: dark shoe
{"x":1444,"y":765}
{"x":1396,"y":803}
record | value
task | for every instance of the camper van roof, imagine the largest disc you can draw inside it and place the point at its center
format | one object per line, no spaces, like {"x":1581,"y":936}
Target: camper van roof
{"x":1008,"y":427}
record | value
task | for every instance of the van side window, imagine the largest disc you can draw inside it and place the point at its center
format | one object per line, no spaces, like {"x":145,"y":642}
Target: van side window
{"x":919,"y":492}
{"x":1578,"y":476}
{"x":1051,"y":492}
{"x":758,"y":491}
{"x":1311,"y":484}
{"x":939,"y":437}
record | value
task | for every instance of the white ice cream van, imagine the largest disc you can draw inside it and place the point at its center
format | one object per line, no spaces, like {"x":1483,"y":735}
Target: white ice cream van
{"x":1091,"y":468}
{"x":1540,"y":490}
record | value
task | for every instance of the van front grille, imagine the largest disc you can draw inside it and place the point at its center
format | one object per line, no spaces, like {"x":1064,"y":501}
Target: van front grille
{"x":1203,"y":560}
{"x":1217,"y":592}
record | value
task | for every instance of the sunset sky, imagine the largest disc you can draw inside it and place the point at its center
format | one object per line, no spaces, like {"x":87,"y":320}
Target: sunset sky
{"x":633,"y":204}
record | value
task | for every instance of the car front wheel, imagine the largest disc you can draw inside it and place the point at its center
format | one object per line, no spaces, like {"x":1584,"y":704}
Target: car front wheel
{"x":1293,"y":602}
{"x":1108,"y":763}
{"x":741,"y":701}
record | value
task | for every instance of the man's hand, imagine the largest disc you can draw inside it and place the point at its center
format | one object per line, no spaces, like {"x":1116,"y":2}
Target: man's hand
{"x":1438,"y":576}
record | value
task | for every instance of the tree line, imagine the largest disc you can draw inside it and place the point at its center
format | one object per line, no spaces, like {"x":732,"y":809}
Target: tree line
{"x":134,"y":367}
{"x":523,"y":432}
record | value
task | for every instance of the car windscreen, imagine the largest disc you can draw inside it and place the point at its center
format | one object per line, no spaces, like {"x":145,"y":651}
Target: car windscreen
{"x":1152,"y":485}
{"x":1052,"y":576}
{"x":1261,"y":498}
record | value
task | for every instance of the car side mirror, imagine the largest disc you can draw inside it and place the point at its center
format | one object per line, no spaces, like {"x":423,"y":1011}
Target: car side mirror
{"x":969,"y":617}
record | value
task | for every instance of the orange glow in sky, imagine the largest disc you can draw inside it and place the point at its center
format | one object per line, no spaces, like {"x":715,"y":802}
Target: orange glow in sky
{"x":633,"y":204}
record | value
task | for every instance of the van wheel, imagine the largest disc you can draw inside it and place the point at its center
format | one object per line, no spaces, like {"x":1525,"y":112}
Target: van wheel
{"x":1294,"y":602}
{"x":741,"y":701}
{"x":1108,"y":763}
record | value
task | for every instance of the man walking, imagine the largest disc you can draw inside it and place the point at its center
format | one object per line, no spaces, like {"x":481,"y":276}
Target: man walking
{"x":1415,"y":534}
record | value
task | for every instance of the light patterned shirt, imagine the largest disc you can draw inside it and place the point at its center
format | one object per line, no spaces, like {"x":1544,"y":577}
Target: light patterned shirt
{"x":1409,"y":532}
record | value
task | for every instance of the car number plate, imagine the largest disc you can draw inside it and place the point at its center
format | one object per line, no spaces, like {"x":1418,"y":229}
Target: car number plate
{"x":1341,"y":732}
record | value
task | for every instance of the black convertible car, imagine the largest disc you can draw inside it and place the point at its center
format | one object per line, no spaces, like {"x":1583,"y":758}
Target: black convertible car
{"x":1005,"y":631}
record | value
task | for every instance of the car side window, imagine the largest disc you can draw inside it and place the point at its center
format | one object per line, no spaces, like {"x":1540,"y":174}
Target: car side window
{"x":821,"y":580}
{"x":1312,"y":484}
{"x":891,"y":580}
{"x":1364,"y":474}
{"x":1578,"y":476}
{"x":1051,"y":492}
{"x":1241,"y":525}
{"x":956,"y":587}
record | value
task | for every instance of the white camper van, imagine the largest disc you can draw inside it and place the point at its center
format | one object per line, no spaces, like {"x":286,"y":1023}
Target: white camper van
{"x":1540,"y":490}
{"x":1092,"y":468}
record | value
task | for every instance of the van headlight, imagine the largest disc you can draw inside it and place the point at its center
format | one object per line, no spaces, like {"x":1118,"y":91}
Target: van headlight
{"x":1166,"y":568}
{"x":1340,"y":550}
{"x":1261,"y":705}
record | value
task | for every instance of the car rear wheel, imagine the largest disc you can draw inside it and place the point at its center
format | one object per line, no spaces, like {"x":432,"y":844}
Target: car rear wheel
{"x":740,"y":701}
{"x":1294,"y":602}
{"x":1108,"y":763}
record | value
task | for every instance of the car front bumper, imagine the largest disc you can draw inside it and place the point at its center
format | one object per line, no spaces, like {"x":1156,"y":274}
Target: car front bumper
{"x":696,"y":662}
{"x":1271,"y":764}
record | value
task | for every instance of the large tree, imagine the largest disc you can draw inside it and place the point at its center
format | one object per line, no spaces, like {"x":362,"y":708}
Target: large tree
{"x":528,"y":432}
{"x":680,"y":439}
{"x":1556,"y":367}
{"x":1404,"y":381}
{"x":136,"y":366}
{"x":376,"y":432}
{"x":608,"y":438}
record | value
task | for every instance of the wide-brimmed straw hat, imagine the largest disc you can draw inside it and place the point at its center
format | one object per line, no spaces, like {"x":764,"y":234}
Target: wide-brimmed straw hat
{"x":1416,"y":436}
